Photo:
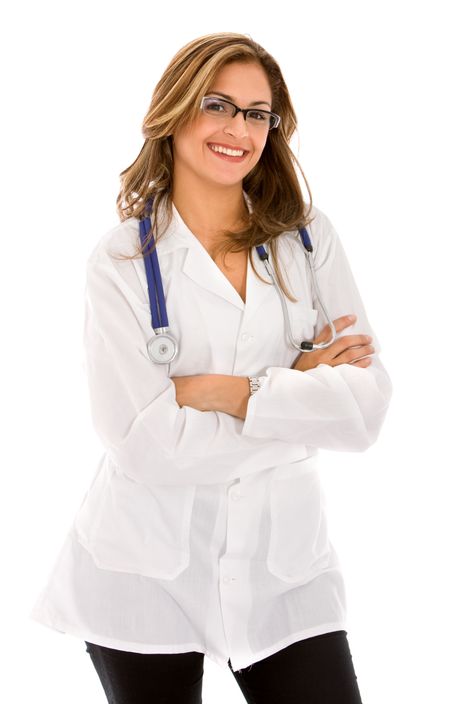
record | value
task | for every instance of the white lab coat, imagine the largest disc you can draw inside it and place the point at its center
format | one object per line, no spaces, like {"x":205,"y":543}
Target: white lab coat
{"x":202,"y":531}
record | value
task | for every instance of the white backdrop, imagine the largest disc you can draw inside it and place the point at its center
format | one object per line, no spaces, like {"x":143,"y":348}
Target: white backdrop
{"x":370,"y":86}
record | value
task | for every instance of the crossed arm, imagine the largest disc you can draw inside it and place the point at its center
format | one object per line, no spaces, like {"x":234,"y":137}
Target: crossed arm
{"x":230,"y":394}
{"x":214,"y":392}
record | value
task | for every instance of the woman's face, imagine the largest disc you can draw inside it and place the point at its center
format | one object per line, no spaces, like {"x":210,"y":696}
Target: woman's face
{"x":246,"y":85}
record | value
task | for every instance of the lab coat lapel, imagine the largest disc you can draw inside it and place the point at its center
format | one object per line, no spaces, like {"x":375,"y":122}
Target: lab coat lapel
{"x":204,"y":272}
{"x":257,"y":291}
{"x":201,"y":269}
{"x":197,"y":264}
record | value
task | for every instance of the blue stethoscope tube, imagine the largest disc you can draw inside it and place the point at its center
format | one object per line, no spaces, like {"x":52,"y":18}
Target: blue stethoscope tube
{"x":163,"y":348}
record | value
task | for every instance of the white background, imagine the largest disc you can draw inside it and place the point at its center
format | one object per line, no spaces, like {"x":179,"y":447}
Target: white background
{"x":370,"y":86}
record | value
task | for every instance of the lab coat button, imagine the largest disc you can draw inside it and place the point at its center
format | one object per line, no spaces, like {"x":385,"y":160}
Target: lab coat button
{"x":229,"y":580}
{"x":245,"y":337}
{"x":236,"y":496}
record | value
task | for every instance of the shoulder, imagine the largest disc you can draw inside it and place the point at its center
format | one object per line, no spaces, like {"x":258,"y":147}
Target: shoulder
{"x":320,"y":222}
{"x":109,"y":264}
{"x":323,"y":236}
{"x":321,"y":232}
{"x":121,"y":240}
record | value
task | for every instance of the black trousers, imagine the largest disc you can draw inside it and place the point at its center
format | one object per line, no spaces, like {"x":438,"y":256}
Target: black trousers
{"x":317,"y":670}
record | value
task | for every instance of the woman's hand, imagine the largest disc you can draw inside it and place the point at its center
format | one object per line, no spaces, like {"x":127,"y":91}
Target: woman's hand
{"x":213,"y":392}
{"x":348,"y":349}
{"x":192,"y":391}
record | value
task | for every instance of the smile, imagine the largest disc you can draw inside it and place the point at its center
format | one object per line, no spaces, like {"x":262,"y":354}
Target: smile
{"x":225,"y":152}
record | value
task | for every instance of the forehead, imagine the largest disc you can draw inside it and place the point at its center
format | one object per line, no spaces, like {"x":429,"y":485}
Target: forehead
{"x":245,"y":82}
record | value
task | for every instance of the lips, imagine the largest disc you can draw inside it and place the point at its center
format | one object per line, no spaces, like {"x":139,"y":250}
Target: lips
{"x":227,"y":157}
{"x":227,"y":146}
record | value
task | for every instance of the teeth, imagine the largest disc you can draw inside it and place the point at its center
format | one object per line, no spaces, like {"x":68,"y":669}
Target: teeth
{"x":230,"y":152}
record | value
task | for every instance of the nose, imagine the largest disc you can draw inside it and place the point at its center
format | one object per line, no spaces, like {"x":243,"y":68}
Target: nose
{"x":237,"y":126}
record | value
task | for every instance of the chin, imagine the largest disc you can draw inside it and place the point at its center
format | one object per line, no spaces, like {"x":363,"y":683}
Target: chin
{"x":230,"y":183}
{"x":222,"y":180}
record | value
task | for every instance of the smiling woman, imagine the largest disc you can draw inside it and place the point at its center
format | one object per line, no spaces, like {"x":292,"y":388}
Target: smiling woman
{"x":243,"y":132}
{"x":216,"y":152}
{"x":204,"y":530}
{"x":241,"y":75}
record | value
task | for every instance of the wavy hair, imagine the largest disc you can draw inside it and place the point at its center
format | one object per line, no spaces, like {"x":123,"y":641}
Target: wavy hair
{"x":277,"y":203}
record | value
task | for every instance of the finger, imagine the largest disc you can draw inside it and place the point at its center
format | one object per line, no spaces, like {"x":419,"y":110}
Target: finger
{"x":351,"y":342}
{"x":354,"y":353}
{"x":346,"y":342}
{"x":340,"y":324}
{"x":362,"y":362}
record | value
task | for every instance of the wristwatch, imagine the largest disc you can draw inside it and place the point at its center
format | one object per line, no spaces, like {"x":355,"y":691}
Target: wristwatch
{"x":255,"y":384}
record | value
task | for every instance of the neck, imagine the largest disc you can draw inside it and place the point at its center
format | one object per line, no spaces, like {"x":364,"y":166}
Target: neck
{"x":208,"y":209}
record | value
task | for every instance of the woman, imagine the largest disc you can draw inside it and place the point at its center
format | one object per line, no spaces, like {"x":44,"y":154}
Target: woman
{"x":203,"y":531}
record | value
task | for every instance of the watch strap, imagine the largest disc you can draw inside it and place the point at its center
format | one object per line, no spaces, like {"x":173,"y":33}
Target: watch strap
{"x":254,"y":383}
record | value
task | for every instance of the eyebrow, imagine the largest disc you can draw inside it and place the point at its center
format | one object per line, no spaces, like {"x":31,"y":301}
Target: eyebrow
{"x":228,"y":97}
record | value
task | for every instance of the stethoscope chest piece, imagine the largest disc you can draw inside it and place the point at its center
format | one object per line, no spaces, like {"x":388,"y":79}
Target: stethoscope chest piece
{"x":162,"y":348}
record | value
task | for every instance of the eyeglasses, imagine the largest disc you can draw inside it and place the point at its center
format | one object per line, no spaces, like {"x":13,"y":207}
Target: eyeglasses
{"x":221,"y":108}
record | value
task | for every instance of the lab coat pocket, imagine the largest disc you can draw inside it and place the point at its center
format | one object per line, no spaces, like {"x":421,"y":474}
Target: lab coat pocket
{"x":303,"y":319}
{"x":298,"y":547}
{"x":129,"y":527}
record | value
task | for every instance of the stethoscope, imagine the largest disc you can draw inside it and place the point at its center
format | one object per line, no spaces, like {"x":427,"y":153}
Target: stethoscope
{"x":163,"y":348}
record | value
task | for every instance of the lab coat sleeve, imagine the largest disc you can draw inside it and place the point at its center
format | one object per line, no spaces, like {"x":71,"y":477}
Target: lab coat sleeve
{"x":339,"y":407}
{"x":133,"y":401}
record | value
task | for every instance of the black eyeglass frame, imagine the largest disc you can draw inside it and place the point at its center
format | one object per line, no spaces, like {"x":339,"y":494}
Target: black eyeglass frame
{"x":244,"y":111}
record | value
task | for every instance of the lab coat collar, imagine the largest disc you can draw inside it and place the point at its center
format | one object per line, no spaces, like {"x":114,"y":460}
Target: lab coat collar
{"x":200,"y":267}
{"x":177,"y":235}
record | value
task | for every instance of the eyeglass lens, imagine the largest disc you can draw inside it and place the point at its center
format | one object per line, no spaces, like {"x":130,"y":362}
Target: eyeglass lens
{"x":223,"y":108}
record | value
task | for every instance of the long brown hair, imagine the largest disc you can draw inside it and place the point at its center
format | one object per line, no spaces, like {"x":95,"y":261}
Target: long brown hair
{"x":276,"y":198}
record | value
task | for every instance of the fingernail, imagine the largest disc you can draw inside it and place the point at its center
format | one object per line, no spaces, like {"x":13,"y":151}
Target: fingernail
{"x":351,"y":317}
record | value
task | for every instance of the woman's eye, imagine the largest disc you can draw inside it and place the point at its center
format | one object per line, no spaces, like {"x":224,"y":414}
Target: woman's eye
{"x":214,"y":107}
{"x":258,"y":116}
